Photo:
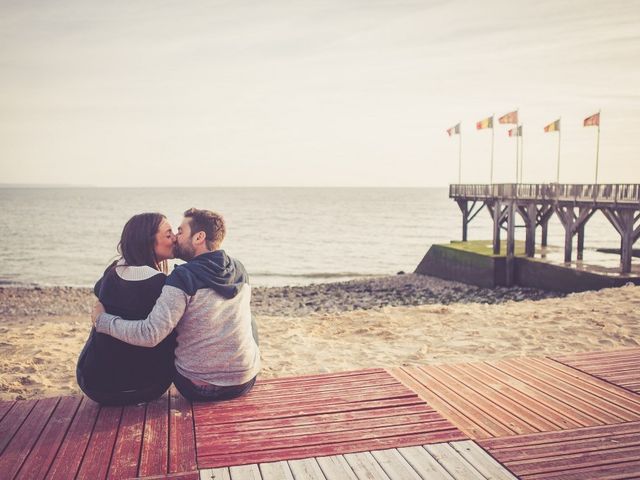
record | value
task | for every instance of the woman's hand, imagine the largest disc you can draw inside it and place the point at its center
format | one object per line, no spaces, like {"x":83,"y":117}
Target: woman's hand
{"x":98,"y":308}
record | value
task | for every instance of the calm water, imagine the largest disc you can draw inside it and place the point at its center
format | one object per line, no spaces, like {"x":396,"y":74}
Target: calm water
{"x":284,"y":236}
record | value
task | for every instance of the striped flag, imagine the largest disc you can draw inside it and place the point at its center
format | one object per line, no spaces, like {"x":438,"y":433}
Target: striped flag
{"x":593,"y":120}
{"x":553,"y":126}
{"x":485,"y":123}
{"x":516,"y":132}
{"x":511,"y":117}
{"x":455,"y":130}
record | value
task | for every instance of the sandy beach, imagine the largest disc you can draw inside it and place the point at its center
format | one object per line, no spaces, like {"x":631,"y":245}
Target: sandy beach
{"x":380,"y":322}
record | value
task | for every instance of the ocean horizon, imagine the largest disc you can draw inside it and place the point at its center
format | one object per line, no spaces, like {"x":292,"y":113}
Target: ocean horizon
{"x":66,"y":236}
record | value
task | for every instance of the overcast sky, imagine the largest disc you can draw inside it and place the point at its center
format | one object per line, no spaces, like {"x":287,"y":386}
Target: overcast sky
{"x":314,"y":93}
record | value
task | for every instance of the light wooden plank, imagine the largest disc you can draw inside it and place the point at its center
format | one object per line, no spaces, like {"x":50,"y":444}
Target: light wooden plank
{"x":215,"y":474}
{"x":365,"y":466}
{"x":336,"y":467}
{"x":423,"y":463}
{"x":306,"y":469}
{"x":394,"y":465}
{"x":245,"y":472}
{"x":454,"y":463}
{"x":482,"y":461}
{"x":276,"y":471}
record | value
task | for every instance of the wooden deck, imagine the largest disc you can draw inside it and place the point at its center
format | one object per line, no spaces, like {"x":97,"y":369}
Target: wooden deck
{"x":572,"y":416}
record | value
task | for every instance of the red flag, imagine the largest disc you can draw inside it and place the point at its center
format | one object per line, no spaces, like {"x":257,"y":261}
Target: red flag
{"x":511,"y":117}
{"x":593,"y":120}
{"x":455,"y":130}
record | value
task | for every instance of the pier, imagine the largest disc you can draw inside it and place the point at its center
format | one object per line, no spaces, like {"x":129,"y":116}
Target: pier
{"x":573,"y":204}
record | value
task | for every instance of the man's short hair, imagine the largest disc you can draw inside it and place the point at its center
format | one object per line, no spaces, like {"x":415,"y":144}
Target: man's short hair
{"x":211,"y":223}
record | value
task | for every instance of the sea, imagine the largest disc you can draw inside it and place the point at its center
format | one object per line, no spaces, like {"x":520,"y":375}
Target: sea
{"x":283,"y":236}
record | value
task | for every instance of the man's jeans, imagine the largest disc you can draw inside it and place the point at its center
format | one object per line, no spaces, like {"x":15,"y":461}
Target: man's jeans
{"x":210,"y":393}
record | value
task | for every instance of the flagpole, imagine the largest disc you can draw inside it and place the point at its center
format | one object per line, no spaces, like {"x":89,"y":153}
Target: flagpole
{"x":460,"y":156}
{"x":598,"y":147}
{"x":492,"y":136}
{"x":521,"y":132}
{"x":517,"y":155}
{"x":559,"y":133}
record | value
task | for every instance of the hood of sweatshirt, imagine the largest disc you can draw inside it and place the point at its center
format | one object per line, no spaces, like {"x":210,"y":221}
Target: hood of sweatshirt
{"x":215,"y":270}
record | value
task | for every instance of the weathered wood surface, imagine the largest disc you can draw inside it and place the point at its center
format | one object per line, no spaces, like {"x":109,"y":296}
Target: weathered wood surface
{"x":602,"y":452}
{"x":463,"y":460}
{"x":620,"y":367}
{"x":302,"y":417}
{"x":519,"y":396}
{"x":73,"y":437}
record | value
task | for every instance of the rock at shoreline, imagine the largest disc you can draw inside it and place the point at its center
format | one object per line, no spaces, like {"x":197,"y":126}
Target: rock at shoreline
{"x":372,"y":293}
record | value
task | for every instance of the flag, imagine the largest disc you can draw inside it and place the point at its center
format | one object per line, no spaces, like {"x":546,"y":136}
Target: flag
{"x":553,"y":126}
{"x":593,"y":120}
{"x":516,"y":132}
{"x":455,"y":130}
{"x":486,"y":123}
{"x":511,"y":117}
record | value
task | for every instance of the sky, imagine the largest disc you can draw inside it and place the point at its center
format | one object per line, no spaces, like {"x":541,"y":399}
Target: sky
{"x":315,"y":93}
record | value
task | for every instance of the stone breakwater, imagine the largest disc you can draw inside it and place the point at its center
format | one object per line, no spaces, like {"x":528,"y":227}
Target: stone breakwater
{"x":363,"y":294}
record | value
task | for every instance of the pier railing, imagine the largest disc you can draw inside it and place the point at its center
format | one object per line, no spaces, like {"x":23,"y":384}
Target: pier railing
{"x":609,"y":193}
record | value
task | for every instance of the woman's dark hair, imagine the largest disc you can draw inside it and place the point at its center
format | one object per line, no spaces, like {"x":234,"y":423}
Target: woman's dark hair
{"x":138,"y":241}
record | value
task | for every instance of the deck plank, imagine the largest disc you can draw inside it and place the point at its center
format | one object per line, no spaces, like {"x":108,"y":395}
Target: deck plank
{"x":395,"y":465}
{"x":306,"y":469}
{"x":365,"y":466}
{"x":424,"y":463}
{"x":591,"y":452}
{"x":216,"y":474}
{"x":276,"y":471}
{"x":13,"y":420}
{"x":46,"y":447}
{"x":126,"y":451}
{"x":335,"y":467}
{"x":154,"y":455}
{"x":97,"y":457}
{"x":245,"y":472}
{"x":482,"y":461}
{"x":182,"y":452}
{"x":453,"y":462}
{"x":25,"y":438}
{"x":71,"y":452}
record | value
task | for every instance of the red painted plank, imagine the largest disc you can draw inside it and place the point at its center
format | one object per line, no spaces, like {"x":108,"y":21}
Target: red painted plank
{"x":13,"y":420}
{"x":126,"y":452}
{"x":517,"y":417}
{"x":568,"y":448}
{"x":248,"y":403}
{"x":20,"y":446}
{"x":195,"y":475}
{"x":70,"y":453}
{"x":496,"y":444}
{"x":209,"y":434}
{"x":407,"y":376}
{"x":607,"y":396}
{"x":46,"y":448}
{"x":285,"y":411}
{"x":626,"y":470}
{"x":564,"y":462}
{"x":455,"y":394}
{"x":572,"y":402}
{"x":4,"y":408}
{"x":323,"y":377}
{"x":383,"y":413}
{"x":182,"y":451}
{"x":154,"y":457}
{"x":97,"y":457}
{"x":555,"y":420}
{"x":316,"y":438}
{"x":296,"y":452}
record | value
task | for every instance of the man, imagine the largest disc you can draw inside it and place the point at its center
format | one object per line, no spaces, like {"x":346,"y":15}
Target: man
{"x":207,"y":301}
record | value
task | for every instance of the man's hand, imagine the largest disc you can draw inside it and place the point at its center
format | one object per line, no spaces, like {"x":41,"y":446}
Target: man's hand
{"x":98,"y":308}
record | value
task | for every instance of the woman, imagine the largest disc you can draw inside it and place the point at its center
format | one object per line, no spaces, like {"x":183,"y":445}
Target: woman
{"x":110,"y":371}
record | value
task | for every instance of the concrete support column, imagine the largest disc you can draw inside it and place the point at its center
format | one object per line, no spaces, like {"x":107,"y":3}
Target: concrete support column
{"x":497,"y":214}
{"x":580,"y":242}
{"x":510,"y":260}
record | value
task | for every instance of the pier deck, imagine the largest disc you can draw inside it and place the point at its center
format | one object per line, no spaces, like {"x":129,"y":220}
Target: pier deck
{"x":574,"y":416}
